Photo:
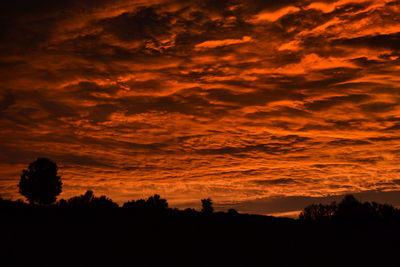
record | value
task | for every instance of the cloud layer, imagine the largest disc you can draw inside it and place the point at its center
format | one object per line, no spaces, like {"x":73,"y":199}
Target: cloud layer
{"x":233,"y":100}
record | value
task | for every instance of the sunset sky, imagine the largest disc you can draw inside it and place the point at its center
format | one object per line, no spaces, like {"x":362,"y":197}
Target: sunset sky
{"x":261,"y":105}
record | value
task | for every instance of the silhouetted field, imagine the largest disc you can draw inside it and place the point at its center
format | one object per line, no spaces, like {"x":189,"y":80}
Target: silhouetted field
{"x":94,"y":231}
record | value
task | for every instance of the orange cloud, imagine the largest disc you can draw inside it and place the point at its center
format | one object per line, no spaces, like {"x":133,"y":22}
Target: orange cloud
{"x":275,"y":15}
{"x":226,"y":42}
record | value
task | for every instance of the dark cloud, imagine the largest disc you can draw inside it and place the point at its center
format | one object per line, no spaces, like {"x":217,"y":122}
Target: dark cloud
{"x":57,"y":108}
{"x":389,"y":41}
{"x":108,"y":143}
{"x":272,"y":148}
{"x":102,"y":112}
{"x":144,"y":24}
{"x":384,"y":138}
{"x":394,"y":127}
{"x":191,"y":105}
{"x":377,"y":107}
{"x":280,"y":181}
{"x":72,"y":160}
{"x":6,"y":100}
{"x":349,"y":124}
{"x":303,"y":20}
{"x":259,"y":97}
{"x":27,"y":26}
{"x":88,"y":90}
{"x":367,"y":160}
{"x":383,"y":65}
{"x":333,"y":101}
{"x":148,"y":86}
{"x":47,"y":6}
{"x":281,"y":111}
{"x":291,"y":138}
{"x":348,"y":142}
{"x":322,"y":166}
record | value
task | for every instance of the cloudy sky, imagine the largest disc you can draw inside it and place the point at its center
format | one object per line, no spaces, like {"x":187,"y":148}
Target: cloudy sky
{"x":243,"y":101}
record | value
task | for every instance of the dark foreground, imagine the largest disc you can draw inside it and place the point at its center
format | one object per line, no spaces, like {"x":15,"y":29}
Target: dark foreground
{"x":115,"y":236}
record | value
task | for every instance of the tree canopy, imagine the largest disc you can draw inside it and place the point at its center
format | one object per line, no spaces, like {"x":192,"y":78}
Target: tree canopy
{"x":40,"y":183}
{"x":89,"y":200}
{"x":348,"y":210}
{"x":154,"y":204}
{"x":207,"y":206}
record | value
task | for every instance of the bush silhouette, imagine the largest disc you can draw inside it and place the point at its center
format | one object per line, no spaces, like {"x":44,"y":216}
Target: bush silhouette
{"x":88,"y":200}
{"x":154,"y":204}
{"x":207,"y":206}
{"x":40,"y":183}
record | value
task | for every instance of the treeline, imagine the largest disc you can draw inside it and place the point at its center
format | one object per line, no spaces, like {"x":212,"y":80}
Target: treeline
{"x":88,"y":201}
{"x":89,"y":230}
{"x":350,"y":210}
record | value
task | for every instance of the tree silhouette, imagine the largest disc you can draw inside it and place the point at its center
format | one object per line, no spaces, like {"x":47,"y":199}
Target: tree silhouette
{"x":318,"y":212}
{"x":152,"y":204}
{"x":207,"y":206}
{"x":40,"y":183}
{"x":89,"y":200}
{"x":157,"y":203}
{"x":350,"y":210}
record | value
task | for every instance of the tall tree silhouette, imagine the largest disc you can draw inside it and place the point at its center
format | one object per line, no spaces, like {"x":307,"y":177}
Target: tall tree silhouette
{"x":207,"y":206}
{"x":157,"y":203}
{"x":40,"y":183}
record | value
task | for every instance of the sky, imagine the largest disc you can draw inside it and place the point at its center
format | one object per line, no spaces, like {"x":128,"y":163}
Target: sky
{"x":261,"y":105}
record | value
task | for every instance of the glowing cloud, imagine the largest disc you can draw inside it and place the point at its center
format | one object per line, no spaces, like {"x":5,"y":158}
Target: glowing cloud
{"x":273,"y":16}
{"x":225,"y":42}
